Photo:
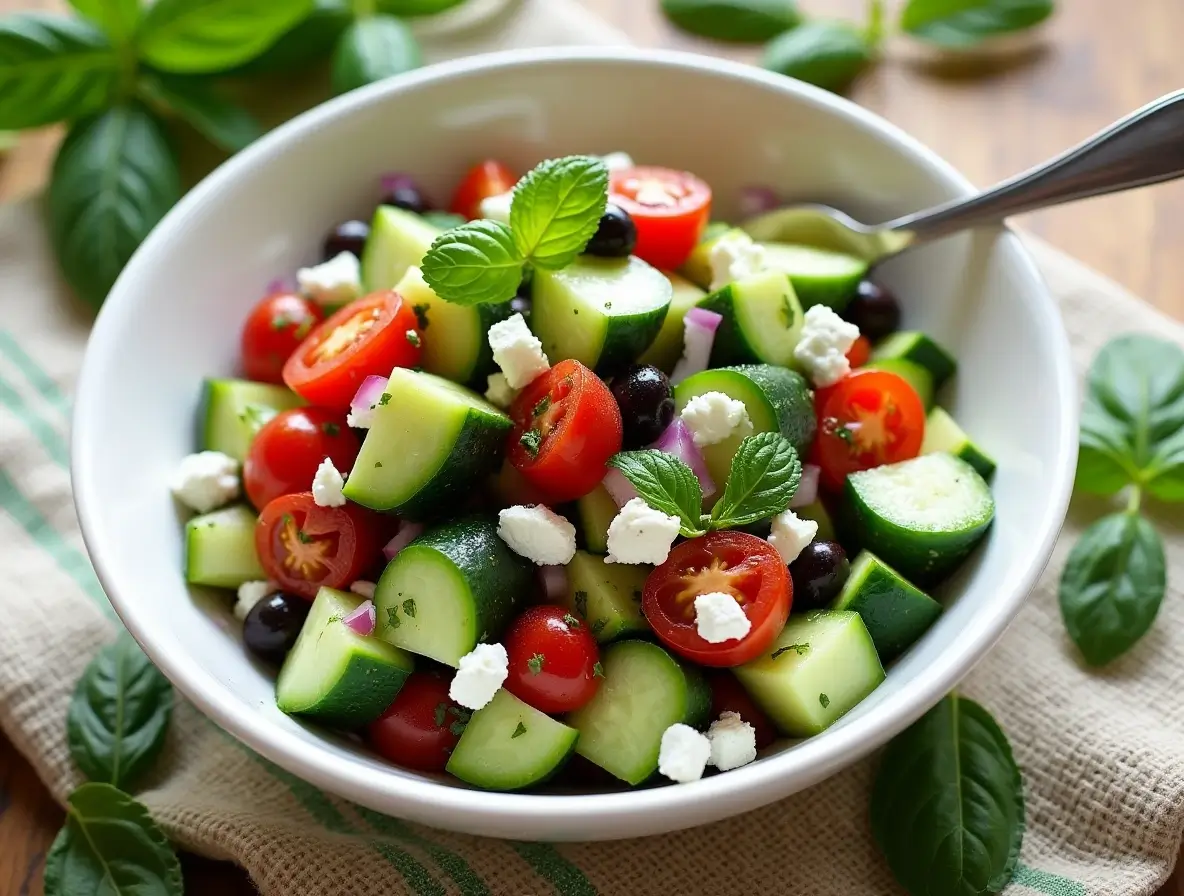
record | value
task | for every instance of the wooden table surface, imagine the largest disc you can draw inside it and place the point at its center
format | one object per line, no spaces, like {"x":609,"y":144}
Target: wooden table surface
{"x":1096,"y":61}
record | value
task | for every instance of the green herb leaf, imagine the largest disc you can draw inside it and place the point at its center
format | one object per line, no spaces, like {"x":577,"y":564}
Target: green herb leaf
{"x":114,"y":178}
{"x":416,"y":7}
{"x":519,"y":731}
{"x":963,"y":23}
{"x":331,"y":429}
{"x":556,"y":209}
{"x":829,"y":55}
{"x":535,"y":663}
{"x":476,"y":263}
{"x":952,"y":774}
{"x":51,"y":69}
{"x":110,"y":844}
{"x":392,"y":617}
{"x":824,"y":700}
{"x":371,"y":49}
{"x":119,"y":714}
{"x":441,"y":714}
{"x":306,"y":44}
{"x":571,"y":620}
{"x":581,"y":600}
{"x":409,"y":607}
{"x":220,"y":121}
{"x":743,"y":21}
{"x":666,"y":484}
{"x":531,"y":441}
{"x":799,"y":649}
{"x":384,"y":399}
{"x":117,"y":18}
{"x":598,"y":626}
{"x":597,"y":670}
{"x":764,"y":476}
{"x":1112,"y":586}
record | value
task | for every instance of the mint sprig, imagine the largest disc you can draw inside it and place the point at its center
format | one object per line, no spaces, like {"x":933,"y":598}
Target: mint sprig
{"x":474,"y":264}
{"x":666,"y":484}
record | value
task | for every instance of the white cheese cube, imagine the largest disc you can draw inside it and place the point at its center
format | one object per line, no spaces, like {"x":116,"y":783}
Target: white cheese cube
{"x":335,"y":282}
{"x":327,"y":485}
{"x":480,"y":673}
{"x":733,"y":742}
{"x":733,"y":257}
{"x":719,"y":618}
{"x":206,"y":481}
{"x":640,"y":534}
{"x":249,"y":594}
{"x":499,"y":394}
{"x":713,"y":417}
{"x":822,"y":349}
{"x":617,"y":161}
{"x":538,"y":534}
{"x":497,"y":208}
{"x":364,"y":588}
{"x":791,"y":534}
{"x":683,"y":753}
{"x":517,"y":351}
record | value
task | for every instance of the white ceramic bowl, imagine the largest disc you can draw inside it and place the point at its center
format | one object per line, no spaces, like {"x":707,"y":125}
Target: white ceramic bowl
{"x":174,"y":317}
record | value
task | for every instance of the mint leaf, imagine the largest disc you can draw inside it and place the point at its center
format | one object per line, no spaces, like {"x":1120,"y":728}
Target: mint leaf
{"x":741,"y":21}
{"x":118,"y":18}
{"x":963,"y":23}
{"x":666,"y":484}
{"x":765,"y":474}
{"x":829,"y":55}
{"x":474,"y":264}
{"x":216,"y":118}
{"x":371,"y":49}
{"x":557,"y":208}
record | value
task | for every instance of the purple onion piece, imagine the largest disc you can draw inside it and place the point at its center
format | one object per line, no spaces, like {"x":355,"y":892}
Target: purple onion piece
{"x":407,"y":533}
{"x":758,"y":200}
{"x":698,"y":338}
{"x":619,"y":488}
{"x":807,"y":492}
{"x":677,"y":441}
{"x":554,"y":581}
{"x":362,"y":620}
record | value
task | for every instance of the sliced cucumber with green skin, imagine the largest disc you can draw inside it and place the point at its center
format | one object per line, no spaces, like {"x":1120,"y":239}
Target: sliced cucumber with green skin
{"x":923,"y":515}
{"x":894,"y":610}
{"x":398,"y":239}
{"x":232,"y":411}
{"x":645,"y":690}
{"x":455,"y":585}
{"x":607,"y":596}
{"x":603,"y":312}
{"x":220,"y":548}
{"x":429,"y":446}
{"x":508,"y":745}
{"x":942,"y":433}
{"x":596,"y":511}
{"x":819,"y":276}
{"x":666,"y":348}
{"x":697,"y":267}
{"x":762,"y":321}
{"x":335,"y":676}
{"x":912,"y":373}
{"x":915,"y":346}
{"x":821,"y":665}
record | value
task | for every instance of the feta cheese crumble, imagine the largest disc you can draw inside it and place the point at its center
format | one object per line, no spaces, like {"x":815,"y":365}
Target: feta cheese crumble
{"x":719,"y":618}
{"x":683,"y":753}
{"x":733,"y":742}
{"x":327,"y":485}
{"x":517,"y":351}
{"x":363,"y":419}
{"x":734,"y":256}
{"x":363,"y":588}
{"x":640,"y":534}
{"x":791,"y":534}
{"x":499,"y":394}
{"x":617,"y":161}
{"x":822,"y":350}
{"x":713,"y":417}
{"x":497,"y":208}
{"x":538,"y":534}
{"x":206,"y":481}
{"x":335,"y":282}
{"x":249,"y":594}
{"x":480,"y":673}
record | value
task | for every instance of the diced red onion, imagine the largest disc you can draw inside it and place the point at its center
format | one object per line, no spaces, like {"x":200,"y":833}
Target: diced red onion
{"x":395,"y":180}
{"x":807,"y":492}
{"x":280,"y":284}
{"x":757,"y":200}
{"x":677,"y":441}
{"x":554,"y":579}
{"x":407,"y":533}
{"x":367,"y":397}
{"x":699,"y":328}
{"x":361,"y":621}
{"x":708,"y":320}
{"x":619,"y":488}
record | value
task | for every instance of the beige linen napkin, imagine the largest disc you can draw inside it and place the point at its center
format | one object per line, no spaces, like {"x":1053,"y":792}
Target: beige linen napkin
{"x":1102,"y":753}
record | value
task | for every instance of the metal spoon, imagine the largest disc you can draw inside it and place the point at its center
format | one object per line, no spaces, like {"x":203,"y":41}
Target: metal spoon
{"x":1146,"y":147}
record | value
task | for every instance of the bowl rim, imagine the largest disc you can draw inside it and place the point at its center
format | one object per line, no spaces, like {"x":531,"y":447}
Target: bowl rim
{"x":598,"y":815}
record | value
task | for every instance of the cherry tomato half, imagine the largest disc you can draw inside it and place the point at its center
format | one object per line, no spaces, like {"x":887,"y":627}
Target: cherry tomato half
{"x":736,"y":563}
{"x":304,"y":546}
{"x":670,"y":209}
{"x":485,"y":179}
{"x":868,"y":418}
{"x":728,"y":695}
{"x":370,"y":336}
{"x":566,"y":427}
{"x":285,"y":453}
{"x":274,"y":329}
{"x":554,"y":660}
{"x":860,"y":353}
{"x":421,"y":727}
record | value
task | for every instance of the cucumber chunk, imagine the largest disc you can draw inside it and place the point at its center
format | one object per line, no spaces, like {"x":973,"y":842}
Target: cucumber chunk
{"x":596,"y":511}
{"x":336,"y":676}
{"x":912,"y":345}
{"x":220,"y":548}
{"x":398,"y":240}
{"x":607,"y":596}
{"x":819,"y":276}
{"x":645,"y":691}
{"x":821,"y":665}
{"x":232,"y":411}
{"x":455,"y":585}
{"x":762,"y":321}
{"x":431,"y":442}
{"x":912,"y":373}
{"x":942,"y":433}
{"x":923,"y":515}
{"x":603,"y":312}
{"x":666,"y":348}
{"x":895,"y":612}
{"x":508,"y":745}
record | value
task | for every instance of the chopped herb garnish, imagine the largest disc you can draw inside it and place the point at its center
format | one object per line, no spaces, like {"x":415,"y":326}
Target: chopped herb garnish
{"x":304,"y":537}
{"x":519,"y":731}
{"x":597,"y":671}
{"x":377,"y":464}
{"x":787,"y":313}
{"x":462,"y":720}
{"x":392,"y":617}
{"x":384,"y":399}
{"x":330,"y":428}
{"x":413,"y":338}
{"x":286,"y":519}
{"x":458,"y":727}
{"x":542,"y":406}
{"x":409,"y":607}
{"x":608,"y":306}
{"x":598,"y":626}
{"x":800,"y":648}
{"x":535,"y":664}
{"x":842,"y":432}
{"x":824,"y":700}
{"x":582,"y":603}
{"x":531,"y":440}
{"x":636,"y":596}
{"x":571,"y":620}
{"x":421,"y":315}
{"x":280,"y":321}
{"x":336,"y":617}
{"x":441,"y":714}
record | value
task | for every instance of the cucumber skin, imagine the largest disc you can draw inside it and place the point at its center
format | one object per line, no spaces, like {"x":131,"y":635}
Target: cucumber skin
{"x":730,"y":347}
{"x":627,"y":338}
{"x":792,"y":401}
{"x":485,"y":365}
{"x":217,"y":391}
{"x":371,"y":687}
{"x":912,"y":373}
{"x":896,"y":612}
{"x":922,"y":350}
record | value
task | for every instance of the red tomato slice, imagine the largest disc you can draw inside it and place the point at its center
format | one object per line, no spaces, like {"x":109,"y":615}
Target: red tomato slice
{"x":305,"y":547}
{"x":274,"y":329}
{"x":566,"y":427}
{"x":861,"y":352}
{"x":485,"y":179}
{"x":670,"y":208}
{"x":554,"y":660}
{"x":736,"y":563}
{"x":421,"y":727}
{"x":368,"y":337}
{"x":868,"y":418}
{"x":285,"y":453}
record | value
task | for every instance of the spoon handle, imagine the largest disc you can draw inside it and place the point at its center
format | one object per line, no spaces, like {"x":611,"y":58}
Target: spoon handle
{"x":1146,"y":147}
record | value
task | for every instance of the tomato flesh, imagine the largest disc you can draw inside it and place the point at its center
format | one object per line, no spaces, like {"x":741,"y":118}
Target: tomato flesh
{"x":420,"y":728}
{"x":554,"y":660}
{"x":670,"y":209}
{"x":485,"y":179}
{"x":285,"y":453}
{"x":860,"y":353}
{"x":275,"y":329}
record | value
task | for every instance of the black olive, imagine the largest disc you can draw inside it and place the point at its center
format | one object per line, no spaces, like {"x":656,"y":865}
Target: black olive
{"x":819,"y":573}
{"x":271,"y":626}
{"x":521,"y":304}
{"x":406,"y":195}
{"x":874,"y":310}
{"x":646,"y":401}
{"x":348,"y":237}
{"x":616,"y":236}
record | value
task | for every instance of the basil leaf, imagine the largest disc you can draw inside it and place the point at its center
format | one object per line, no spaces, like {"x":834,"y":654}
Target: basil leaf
{"x":311,"y":40}
{"x":947,"y":808}
{"x":666,"y":484}
{"x":372,"y":49}
{"x":223,"y":123}
{"x":557,"y":208}
{"x":765,"y":474}
{"x":110,"y":845}
{"x":53,"y":69}
{"x":474,"y":264}
{"x":963,"y":23}
{"x":416,"y":7}
{"x":193,"y":36}
{"x":119,"y":714}
{"x":743,"y":21}
{"x":1112,"y":586}
{"x":118,"y":18}
{"x":829,"y":55}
